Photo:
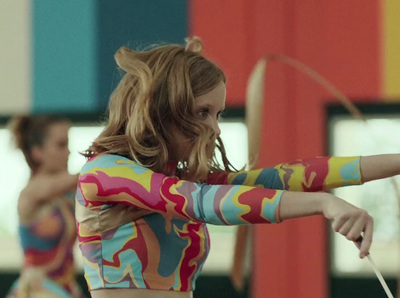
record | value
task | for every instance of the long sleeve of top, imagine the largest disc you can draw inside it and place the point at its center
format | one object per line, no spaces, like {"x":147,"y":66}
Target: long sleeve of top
{"x":142,"y":229}
{"x":112,"y":179}
{"x":308,"y":175}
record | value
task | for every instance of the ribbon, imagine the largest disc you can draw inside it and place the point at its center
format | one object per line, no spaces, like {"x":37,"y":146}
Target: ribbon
{"x":254,"y":108}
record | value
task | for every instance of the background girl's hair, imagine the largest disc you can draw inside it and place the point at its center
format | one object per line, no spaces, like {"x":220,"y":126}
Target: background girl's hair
{"x":158,"y":91}
{"x":29,"y":131}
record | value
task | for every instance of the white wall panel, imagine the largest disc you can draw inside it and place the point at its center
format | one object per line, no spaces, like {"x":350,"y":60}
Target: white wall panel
{"x":15,"y":56}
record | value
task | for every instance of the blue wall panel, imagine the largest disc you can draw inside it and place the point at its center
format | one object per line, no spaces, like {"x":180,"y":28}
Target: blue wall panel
{"x":135,"y":24}
{"x":74,"y":43}
{"x":64,"y":55}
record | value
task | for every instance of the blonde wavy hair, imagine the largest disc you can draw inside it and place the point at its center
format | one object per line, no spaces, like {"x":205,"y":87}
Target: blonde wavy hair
{"x":159,"y":89}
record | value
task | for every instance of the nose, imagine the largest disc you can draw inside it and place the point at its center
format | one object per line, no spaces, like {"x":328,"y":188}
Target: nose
{"x":216,"y":128}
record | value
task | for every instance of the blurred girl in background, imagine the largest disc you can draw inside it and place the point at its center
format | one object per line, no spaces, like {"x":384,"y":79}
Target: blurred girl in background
{"x":46,"y":209}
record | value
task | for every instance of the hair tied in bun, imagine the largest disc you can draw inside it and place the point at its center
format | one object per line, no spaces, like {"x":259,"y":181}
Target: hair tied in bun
{"x":194,"y":44}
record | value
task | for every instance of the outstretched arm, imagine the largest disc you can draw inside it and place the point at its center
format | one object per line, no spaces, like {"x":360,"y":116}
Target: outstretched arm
{"x":308,"y":175}
{"x":320,"y":173}
{"x":379,"y":166}
{"x":346,"y":219}
{"x":111,"y":179}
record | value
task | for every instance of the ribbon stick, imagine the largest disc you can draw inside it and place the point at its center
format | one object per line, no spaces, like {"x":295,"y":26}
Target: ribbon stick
{"x":380,"y":277}
{"x":375,"y":268}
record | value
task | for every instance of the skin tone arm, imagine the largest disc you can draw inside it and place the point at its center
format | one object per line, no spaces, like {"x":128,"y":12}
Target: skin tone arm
{"x":44,"y":187}
{"x":347,"y":219}
{"x":379,"y":166}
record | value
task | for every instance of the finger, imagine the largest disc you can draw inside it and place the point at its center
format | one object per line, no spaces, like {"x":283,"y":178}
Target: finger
{"x":358,"y":227}
{"x":347,"y":227}
{"x":338,"y":223}
{"x":367,"y":241}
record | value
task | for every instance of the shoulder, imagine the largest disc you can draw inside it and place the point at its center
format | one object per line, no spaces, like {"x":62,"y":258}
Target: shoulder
{"x":26,"y":199}
{"x":217,"y":178}
{"x":33,"y":186}
{"x":111,"y":163}
{"x":107,"y":160}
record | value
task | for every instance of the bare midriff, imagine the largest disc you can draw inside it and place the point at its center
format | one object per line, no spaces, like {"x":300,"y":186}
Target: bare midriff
{"x":138,"y":293}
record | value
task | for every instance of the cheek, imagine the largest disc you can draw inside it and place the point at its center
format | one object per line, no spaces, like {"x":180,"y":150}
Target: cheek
{"x":56,"y":154}
{"x":179,"y":138}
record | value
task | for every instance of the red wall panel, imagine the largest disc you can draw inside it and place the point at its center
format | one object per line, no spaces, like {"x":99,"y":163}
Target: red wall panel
{"x":341,"y":40}
{"x":224,"y":29}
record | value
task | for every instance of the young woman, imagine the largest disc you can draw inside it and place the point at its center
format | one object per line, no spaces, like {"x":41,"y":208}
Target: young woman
{"x":46,"y":209}
{"x":152,"y":181}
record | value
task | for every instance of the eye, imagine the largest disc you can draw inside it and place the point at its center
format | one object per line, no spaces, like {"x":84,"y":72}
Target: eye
{"x":62,"y":144}
{"x":220,"y":114}
{"x":204,"y":112}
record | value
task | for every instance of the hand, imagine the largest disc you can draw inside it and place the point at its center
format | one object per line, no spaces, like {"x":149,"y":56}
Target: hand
{"x":350,"y":221}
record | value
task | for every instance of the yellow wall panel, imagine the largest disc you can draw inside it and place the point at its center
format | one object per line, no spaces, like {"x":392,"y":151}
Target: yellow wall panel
{"x":391,"y":46}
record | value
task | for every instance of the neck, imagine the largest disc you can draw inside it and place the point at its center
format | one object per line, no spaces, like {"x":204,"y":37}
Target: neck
{"x":41,"y":171}
{"x":170,"y":167}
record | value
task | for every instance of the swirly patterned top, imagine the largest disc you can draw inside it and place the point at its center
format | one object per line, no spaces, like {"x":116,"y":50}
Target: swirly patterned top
{"x":47,"y":241}
{"x":142,"y":229}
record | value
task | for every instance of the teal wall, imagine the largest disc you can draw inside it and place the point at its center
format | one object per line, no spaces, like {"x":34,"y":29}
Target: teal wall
{"x":135,"y":24}
{"x":74,"y":43}
{"x":65,"y":50}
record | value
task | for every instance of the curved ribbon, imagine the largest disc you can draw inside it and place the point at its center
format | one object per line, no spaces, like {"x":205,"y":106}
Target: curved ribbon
{"x":254,"y":108}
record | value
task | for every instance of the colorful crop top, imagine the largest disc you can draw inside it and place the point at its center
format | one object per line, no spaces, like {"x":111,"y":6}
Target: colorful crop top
{"x":47,"y":241}
{"x":141,"y":229}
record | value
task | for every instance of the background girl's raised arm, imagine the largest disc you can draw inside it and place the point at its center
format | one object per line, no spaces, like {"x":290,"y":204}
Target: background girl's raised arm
{"x":44,"y":188}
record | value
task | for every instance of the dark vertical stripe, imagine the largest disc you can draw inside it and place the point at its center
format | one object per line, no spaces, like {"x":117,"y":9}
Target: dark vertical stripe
{"x":135,"y":24}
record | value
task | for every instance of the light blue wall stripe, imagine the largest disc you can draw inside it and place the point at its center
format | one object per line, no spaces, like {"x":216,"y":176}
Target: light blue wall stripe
{"x":64,"y":56}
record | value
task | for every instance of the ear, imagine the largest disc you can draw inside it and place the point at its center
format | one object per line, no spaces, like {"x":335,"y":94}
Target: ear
{"x":37,"y":154}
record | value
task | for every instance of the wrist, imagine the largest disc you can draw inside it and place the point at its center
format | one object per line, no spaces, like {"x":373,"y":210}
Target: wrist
{"x":326,"y":204}
{"x":300,"y":204}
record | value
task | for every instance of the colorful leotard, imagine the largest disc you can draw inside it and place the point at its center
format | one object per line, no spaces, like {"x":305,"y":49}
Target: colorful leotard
{"x":47,"y":242}
{"x":141,"y":229}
